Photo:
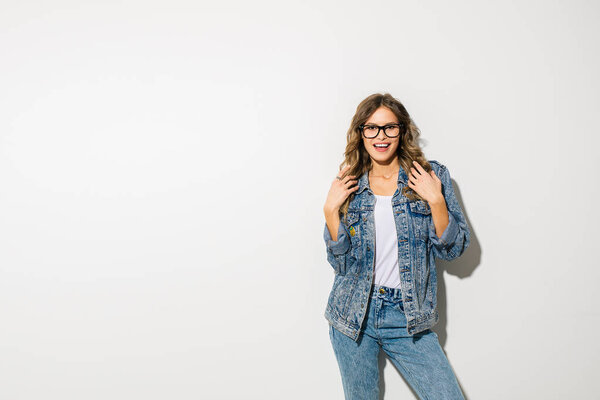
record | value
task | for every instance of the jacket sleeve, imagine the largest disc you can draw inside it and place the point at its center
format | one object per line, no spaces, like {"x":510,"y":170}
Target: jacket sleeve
{"x":456,"y":237}
{"x":337,"y":250}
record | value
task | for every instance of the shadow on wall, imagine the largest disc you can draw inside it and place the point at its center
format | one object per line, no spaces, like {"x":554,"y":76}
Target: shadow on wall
{"x":461,"y":267}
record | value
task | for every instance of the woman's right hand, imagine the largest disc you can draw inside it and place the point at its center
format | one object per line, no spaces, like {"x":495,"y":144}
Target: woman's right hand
{"x":339,"y":191}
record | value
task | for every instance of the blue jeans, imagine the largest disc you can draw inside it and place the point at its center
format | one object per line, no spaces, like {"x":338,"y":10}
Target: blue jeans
{"x":419,"y":358}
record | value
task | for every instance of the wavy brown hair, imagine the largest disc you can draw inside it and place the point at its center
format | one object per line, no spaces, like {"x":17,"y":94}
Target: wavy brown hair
{"x":357,"y":157}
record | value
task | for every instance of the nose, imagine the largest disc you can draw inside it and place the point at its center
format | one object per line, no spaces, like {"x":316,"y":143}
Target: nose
{"x":380,"y":135}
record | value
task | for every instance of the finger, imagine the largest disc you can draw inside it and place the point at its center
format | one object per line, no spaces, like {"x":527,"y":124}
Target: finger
{"x":419,"y":167}
{"x":345,"y":179}
{"x":343,"y":171}
{"x":414,"y":173}
{"x":348,"y":178}
{"x":350,"y":183}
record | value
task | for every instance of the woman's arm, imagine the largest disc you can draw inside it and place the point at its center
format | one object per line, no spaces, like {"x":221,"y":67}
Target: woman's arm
{"x":455,"y":235}
{"x":332,"y":219}
{"x":439,"y":214}
{"x":335,"y":234}
{"x":339,"y":248}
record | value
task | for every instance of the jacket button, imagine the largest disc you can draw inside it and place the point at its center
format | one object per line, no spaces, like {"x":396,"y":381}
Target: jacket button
{"x":368,"y":248}
{"x":382,"y":290}
{"x":362,"y":304}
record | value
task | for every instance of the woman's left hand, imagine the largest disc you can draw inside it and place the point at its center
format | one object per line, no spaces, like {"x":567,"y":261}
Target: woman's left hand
{"x":427,"y":185}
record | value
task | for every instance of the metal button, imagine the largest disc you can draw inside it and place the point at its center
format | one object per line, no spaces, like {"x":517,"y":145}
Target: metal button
{"x":381,"y":290}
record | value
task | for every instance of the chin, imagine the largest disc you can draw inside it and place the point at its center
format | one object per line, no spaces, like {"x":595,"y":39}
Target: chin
{"x":383,"y":159}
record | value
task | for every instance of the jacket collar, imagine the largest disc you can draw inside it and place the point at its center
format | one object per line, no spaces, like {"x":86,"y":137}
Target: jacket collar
{"x":363,"y":181}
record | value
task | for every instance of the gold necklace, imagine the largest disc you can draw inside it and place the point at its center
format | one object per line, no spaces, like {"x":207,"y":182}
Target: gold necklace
{"x":383,"y":176}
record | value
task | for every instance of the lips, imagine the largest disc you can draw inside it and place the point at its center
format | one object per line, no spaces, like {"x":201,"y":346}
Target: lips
{"x":381,"y":146}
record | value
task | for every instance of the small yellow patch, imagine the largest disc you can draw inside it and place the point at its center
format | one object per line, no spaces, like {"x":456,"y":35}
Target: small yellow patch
{"x":352,"y":231}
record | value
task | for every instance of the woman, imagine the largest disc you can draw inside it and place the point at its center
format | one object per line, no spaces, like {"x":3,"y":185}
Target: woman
{"x":383,"y":232}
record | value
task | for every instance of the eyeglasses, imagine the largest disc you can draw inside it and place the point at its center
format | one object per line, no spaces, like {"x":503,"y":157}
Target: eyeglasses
{"x":391,"y":130}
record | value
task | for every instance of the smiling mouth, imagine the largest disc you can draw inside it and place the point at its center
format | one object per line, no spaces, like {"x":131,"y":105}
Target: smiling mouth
{"x":381,"y":147}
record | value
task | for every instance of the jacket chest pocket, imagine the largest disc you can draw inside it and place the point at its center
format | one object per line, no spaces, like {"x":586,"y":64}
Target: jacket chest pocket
{"x":355,"y":232}
{"x":421,"y":216}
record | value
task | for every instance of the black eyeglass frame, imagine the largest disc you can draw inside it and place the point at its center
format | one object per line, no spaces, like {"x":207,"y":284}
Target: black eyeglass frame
{"x":384,"y":127}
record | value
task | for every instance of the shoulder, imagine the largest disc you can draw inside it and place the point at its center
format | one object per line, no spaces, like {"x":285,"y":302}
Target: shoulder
{"x":440,"y":170}
{"x":437,"y":166}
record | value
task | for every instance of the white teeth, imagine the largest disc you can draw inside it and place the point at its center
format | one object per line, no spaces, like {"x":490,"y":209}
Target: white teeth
{"x":382,"y":145}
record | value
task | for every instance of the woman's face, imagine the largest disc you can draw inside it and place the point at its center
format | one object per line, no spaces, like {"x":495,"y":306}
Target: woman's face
{"x":383,"y":155}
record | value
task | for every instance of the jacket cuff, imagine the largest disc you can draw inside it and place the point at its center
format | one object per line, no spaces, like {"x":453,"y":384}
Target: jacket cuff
{"x":339,"y":246}
{"x":448,"y":236}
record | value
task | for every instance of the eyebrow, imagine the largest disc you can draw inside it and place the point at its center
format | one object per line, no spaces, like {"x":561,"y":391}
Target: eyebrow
{"x":387,"y":123}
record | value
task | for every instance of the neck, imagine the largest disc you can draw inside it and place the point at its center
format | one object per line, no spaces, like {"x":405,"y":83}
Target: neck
{"x":386,"y":171}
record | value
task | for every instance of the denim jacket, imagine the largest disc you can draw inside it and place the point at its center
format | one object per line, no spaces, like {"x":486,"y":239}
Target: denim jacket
{"x":352,"y":256}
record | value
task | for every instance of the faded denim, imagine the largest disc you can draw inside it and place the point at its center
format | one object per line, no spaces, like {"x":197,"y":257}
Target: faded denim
{"x":419,"y":357}
{"x":352,"y":256}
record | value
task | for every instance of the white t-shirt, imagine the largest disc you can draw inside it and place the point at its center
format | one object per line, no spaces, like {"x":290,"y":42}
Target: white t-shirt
{"x":386,"y":244}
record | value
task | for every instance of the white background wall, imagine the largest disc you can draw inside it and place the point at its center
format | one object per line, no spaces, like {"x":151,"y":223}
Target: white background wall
{"x":164,"y":166}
